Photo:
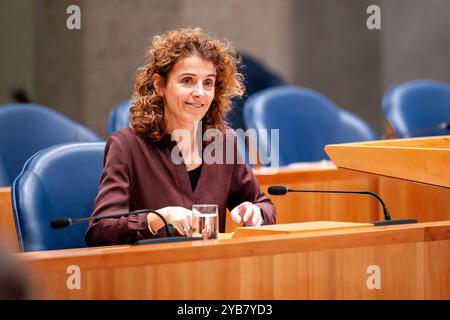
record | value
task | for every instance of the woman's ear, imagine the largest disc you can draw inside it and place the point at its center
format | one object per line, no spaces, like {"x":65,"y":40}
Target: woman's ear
{"x":158,"y":83}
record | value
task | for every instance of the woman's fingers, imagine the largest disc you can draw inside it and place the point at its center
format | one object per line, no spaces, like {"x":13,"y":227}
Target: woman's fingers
{"x":257,"y":218}
{"x":248,"y":213}
{"x":181,"y":219}
{"x":187,"y":229}
{"x":235,"y":214}
{"x":183,"y":227}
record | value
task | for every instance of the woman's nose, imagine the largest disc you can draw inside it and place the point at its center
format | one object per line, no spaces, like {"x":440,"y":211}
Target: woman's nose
{"x":198,"y":90}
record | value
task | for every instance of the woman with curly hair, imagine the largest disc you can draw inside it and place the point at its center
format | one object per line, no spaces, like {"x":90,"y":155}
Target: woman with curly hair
{"x":183,"y":92}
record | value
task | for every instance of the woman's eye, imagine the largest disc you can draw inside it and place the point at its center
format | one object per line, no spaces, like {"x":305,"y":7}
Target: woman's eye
{"x":187,"y":80}
{"x":209,"y":83}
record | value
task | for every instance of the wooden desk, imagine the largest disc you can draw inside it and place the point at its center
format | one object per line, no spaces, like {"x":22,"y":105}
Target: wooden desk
{"x":413,"y":173}
{"x":7,"y":224}
{"x":414,"y":263}
{"x":404,"y":199}
{"x":303,"y":227}
{"x":303,"y":207}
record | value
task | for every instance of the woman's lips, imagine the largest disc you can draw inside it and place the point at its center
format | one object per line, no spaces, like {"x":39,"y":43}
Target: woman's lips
{"x":195,"y":104}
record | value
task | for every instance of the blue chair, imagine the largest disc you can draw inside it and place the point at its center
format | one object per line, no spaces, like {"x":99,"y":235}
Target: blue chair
{"x":28,"y":128}
{"x":257,"y":77}
{"x":418,"y":108}
{"x":307,"y":121}
{"x":60,"y":181}
{"x":119,"y":117}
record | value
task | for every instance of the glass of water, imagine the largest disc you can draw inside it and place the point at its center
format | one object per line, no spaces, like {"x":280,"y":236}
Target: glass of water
{"x":205,"y":221}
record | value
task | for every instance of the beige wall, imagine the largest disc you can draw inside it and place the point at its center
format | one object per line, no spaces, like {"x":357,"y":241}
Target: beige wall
{"x":57,"y":59}
{"x":17,"y":50}
{"x":114,"y":47}
{"x":338,"y":56}
{"x":116,"y":36}
{"x":416,"y":40}
{"x":262,"y":28}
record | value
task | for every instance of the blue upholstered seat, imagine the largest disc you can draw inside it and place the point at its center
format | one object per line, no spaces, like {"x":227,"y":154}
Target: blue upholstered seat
{"x":307,"y":121}
{"x":418,"y":108}
{"x":27,"y":128}
{"x":60,"y":181}
{"x":119,"y":117}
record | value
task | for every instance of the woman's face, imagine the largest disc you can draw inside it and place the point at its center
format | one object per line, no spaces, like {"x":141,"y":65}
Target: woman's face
{"x":188,"y":91}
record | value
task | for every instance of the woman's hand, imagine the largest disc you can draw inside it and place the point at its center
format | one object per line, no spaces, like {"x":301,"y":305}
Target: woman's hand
{"x":179,"y":217}
{"x":248,"y":212}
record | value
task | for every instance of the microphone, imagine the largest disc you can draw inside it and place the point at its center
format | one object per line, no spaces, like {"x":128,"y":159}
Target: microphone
{"x":443,"y":126}
{"x":282,"y":190}
{"x":60,"y":223}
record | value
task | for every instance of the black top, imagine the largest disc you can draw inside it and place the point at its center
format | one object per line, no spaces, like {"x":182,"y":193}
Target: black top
{"x":194,"y":175}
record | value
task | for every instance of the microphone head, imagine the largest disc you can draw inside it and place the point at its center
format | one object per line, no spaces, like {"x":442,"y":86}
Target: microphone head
{"x":61,"y":223}
{"x":278,"y":190}
{"x":445,"y":125}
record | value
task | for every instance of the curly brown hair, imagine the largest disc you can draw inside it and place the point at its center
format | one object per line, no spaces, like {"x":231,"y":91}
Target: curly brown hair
{"x":147,"y":111}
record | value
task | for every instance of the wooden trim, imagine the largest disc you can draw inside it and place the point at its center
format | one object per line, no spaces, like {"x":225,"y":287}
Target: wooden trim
{"x":122,"y":256}
{"x":7,"y":224}
{"x":390,"y":134}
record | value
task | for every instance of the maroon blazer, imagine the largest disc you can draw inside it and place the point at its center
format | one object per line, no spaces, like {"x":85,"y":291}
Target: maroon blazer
{"x":140,"y":174}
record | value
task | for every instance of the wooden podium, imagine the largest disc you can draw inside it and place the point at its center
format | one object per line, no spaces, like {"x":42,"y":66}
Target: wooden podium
{"x":425,"y":160}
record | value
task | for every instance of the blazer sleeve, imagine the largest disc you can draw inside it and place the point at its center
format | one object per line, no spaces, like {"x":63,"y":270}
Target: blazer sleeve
{"x":245,"y":187}
{"x":114,"y":197}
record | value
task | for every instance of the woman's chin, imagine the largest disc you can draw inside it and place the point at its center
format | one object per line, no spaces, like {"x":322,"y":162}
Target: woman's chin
{"x":192,"y":118}
{"x":195,"y":113}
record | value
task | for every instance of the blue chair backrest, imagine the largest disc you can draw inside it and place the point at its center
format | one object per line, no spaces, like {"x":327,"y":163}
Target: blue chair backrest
{"x":60,"y":181}
{"x":414,"y":108}
{"x":257,"y":77}
{"x":119,"y":117}
{"x":27,"y":128}
{"x":307,"y":121}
